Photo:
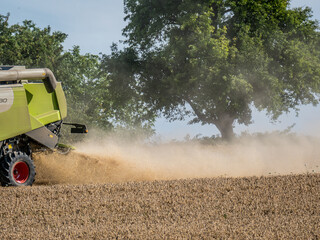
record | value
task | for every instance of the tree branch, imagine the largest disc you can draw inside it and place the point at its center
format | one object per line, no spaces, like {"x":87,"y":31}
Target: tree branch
{"x":199,"y":114}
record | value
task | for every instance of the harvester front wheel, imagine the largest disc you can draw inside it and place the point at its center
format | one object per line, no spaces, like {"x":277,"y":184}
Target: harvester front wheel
{"x":17,"y":169}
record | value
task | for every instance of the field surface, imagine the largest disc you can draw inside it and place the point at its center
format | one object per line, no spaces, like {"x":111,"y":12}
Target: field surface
{"x":275,"y":207}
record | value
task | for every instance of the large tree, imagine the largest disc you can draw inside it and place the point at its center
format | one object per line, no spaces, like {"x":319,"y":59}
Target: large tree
{"x":214,"y":59}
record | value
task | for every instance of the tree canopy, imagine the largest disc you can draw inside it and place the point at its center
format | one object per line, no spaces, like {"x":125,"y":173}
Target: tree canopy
{"x":215,"y":59}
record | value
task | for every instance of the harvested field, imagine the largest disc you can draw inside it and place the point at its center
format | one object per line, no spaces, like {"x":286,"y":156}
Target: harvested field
{"x":275,"y":207}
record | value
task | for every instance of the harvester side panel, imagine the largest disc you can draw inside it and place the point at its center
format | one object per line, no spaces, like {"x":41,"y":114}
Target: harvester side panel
{"x":14,"y":118}
{"x":61,"y":99}
{"x":25,"y":107}
{"x":44,"y":136}
{"x":43,"y":106}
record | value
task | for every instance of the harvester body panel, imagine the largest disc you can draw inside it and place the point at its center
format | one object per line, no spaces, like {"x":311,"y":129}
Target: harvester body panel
{"x":14,"y":114}
{"x":26,"y":107}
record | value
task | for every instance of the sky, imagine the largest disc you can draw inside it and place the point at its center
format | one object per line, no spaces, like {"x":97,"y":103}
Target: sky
{"x":94,"y":25}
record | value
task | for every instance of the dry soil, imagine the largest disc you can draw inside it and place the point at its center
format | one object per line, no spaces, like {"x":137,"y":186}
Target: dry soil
{"x":274,"y":207}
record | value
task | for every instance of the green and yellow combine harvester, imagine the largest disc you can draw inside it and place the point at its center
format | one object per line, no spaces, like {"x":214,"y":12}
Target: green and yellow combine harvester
{"x":32,"y":109}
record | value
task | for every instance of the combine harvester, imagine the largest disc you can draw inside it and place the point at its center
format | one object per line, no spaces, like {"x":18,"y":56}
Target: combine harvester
{"x":32,"y":109}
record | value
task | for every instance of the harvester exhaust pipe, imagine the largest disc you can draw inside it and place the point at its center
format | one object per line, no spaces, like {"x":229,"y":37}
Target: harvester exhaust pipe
{"x":44,"y":74}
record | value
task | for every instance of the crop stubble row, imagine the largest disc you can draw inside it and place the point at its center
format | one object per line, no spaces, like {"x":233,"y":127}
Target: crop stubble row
{"x":239,"y":208}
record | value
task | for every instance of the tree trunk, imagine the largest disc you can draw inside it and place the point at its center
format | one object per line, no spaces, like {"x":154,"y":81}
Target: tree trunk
{"x":224,"y":123}
{"x":225,"y":126}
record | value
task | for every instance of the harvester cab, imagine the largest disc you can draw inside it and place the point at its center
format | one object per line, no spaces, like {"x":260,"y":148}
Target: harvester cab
{"x":32,"y":109}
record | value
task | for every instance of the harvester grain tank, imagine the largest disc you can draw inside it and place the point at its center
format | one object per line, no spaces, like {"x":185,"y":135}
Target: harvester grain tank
{"x":32,"y":109}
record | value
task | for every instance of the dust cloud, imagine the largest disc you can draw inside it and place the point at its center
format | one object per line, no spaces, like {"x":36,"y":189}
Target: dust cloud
{"x":107,"y":160}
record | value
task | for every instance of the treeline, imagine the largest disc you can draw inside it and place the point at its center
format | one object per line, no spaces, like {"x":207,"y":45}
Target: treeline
{"x":208,"y":60}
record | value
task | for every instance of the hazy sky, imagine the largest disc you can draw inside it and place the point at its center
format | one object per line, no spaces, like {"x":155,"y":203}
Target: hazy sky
{"x":95,"y":24}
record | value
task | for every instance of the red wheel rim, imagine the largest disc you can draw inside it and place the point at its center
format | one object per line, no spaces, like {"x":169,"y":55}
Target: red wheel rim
{"x":20,"y":172}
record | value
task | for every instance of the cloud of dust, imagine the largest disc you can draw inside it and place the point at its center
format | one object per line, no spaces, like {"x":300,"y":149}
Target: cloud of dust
{"x":107,"y":160}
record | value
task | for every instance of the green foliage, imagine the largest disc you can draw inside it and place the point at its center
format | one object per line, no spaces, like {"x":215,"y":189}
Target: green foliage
{"x":221,"y":56}
{"x":91,"y":93}
{"x":29,"y":45}
{"x":124,"y":92}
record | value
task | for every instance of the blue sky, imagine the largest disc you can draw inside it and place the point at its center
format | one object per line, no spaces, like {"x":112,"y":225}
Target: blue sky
{"x":94,"y":25}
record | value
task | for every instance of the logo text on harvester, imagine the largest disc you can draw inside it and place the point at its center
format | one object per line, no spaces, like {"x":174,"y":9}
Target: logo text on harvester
{"x":3,"y":100}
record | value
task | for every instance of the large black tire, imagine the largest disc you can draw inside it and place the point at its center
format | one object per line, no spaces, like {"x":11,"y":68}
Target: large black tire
{"x":17,"y":169}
